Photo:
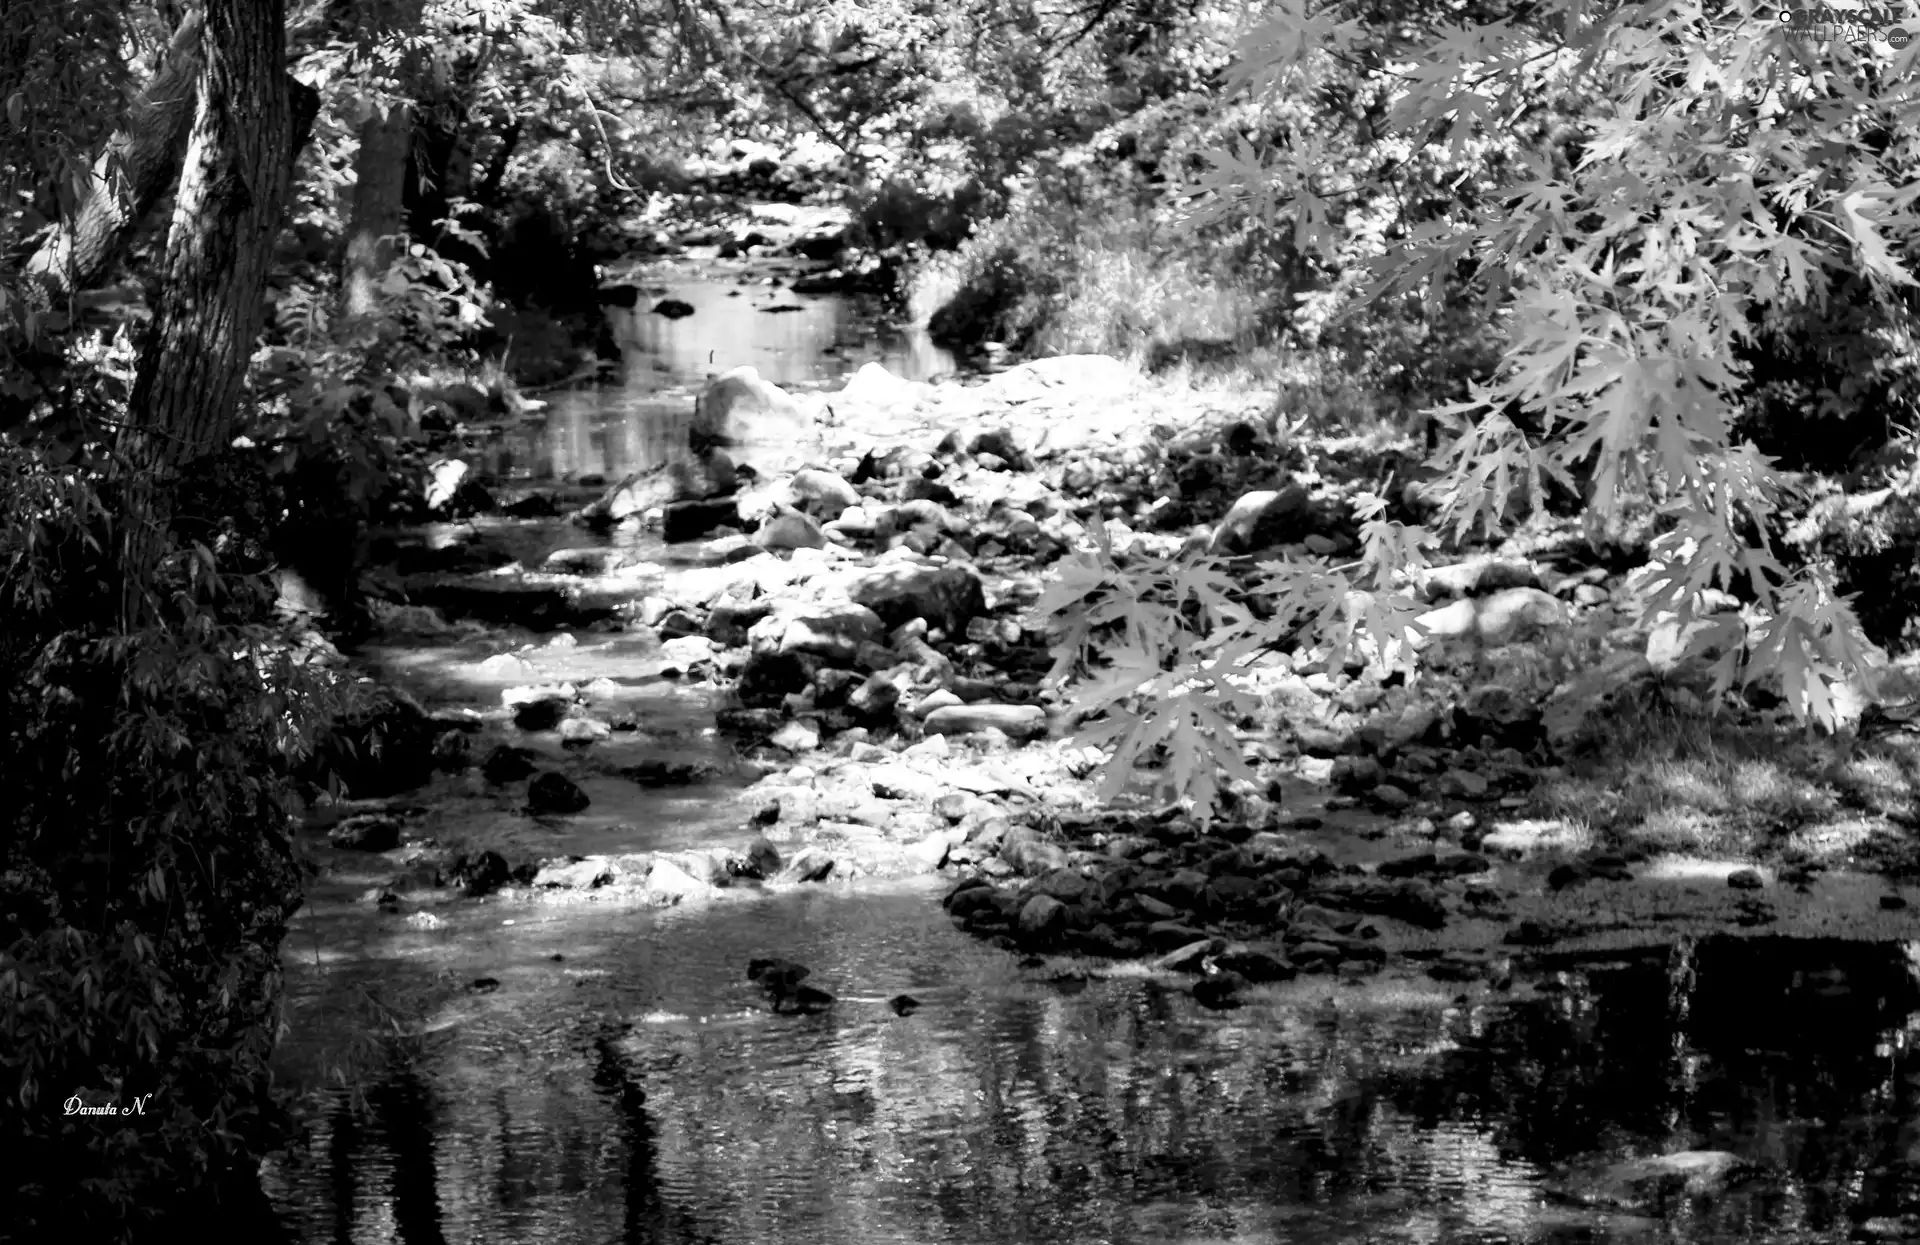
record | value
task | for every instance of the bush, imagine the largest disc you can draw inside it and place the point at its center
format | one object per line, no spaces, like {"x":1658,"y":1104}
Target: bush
{"x":146,"y":877}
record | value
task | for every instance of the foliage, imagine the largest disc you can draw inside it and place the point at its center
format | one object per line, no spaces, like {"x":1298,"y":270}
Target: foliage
{"x":1647,"y":196}
{"x":148,"y":868}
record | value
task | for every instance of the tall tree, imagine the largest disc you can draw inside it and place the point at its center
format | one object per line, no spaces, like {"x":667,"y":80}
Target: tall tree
{"x":233,"y":191}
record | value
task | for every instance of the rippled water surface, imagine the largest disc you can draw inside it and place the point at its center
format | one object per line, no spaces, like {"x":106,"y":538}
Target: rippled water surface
{"x":636,"y":420}
{"x":637,"y":1088}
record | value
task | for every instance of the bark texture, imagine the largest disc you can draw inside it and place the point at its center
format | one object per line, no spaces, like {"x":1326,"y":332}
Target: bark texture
{"x":233,"y":190}
{"x":135,"y":170}
{"x":378,"y":210}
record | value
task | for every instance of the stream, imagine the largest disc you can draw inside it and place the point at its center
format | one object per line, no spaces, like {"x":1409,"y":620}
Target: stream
{"x":597,"y":1073}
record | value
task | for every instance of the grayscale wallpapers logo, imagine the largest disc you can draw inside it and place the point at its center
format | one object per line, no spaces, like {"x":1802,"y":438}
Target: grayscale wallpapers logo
{"x":1823,"y":21}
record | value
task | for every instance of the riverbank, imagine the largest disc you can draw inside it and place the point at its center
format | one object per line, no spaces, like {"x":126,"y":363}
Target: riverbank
{"x":841,"y":679}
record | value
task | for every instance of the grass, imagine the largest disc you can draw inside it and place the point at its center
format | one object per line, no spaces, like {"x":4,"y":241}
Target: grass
{"x":1699,"y":785}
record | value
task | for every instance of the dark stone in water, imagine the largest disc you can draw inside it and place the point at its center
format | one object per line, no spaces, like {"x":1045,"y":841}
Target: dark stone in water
{"x":532,"y":506}
{"x":366,"y":832}
{"x":452,"y":751}
{"x":1892,"y":903}
{"x":803,"y":1001}
{"x":484,"y":985}
{"x":481,"y":873}
{"x":554,"y":793}
{"x":507,"y":764}
{"x":763,"y":858}
{"x":904,"y":1004}
{"x":659,"y":772}
{"x":1220,"y":991}
{"x":692,"y":520}
{"x":541,"y":715}
{"x":776,"y":973}
{"x":672,"y":308}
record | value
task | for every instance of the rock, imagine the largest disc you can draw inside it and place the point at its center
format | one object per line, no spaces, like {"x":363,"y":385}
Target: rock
{"x":947,"y":597}
{"x":756,"y":421}
{"x":669,"y":882}
{"x":1390,"y":797}
{"x":1431,"y":864}
{"x":682,"y":521}
{"x":366,"y":832}
{"x":762,"y":859}
{"x":928,"y":854}
{"x":875,"y":698}
{"x":1263,"y":519}
{"x":479,"y":873}
{"x":1016,"y":721}
{"x":575,"y":875}
{"x":1027,"y":853}
{"x":1063,"y":884}
{"x":450,"y":493}
{"x":1164,"y":936}
{"x":809,"y":864}
{"x":543,"y":714}
{"x":777,"y":973}
{"x":554,"y":793}
{"x":802,"y":1000}
{"x":1461,"y":784}
{"x":580,"y":732}
{"x":790,"y":529}
{"x":452,"y":751}
{"x":1041,"y":916}
{"x":796,"y":737}
{"x":380,"y":745}
{"x":1255,"y":965}
{"x":1647,"y":1185}
{"x":873,"y":385}
{"x":1498,"y":716}
{"x":833,"y":630}
{"x":903,"y":1004}
{"x":673,"y":308}
{"x":1191,"y":958}
{"x":1746,"y":880}
{"x":507,"y":764}
{"x":1219,"y":991}
{"x":1000,"y":443}
{"x":1515,"y":614}
{"x":822,"y":494}
{"x":1477,"y":577}
{"x":663,"y":772}
{"x":591,"y":560}
{"x":1357,"y":774}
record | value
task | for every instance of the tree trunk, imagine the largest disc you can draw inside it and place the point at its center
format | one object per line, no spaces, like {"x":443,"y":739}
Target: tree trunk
{"x":147,"y":150}
{"x":378,"y":211}
{"x":233,"y":191}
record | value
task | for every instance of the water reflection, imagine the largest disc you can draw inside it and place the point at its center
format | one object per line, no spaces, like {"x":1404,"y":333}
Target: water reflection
{"x":640,"y":419}
{"x":1009,"y":1110}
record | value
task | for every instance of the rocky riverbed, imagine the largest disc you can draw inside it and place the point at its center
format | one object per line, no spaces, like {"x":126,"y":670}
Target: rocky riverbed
{"x":804,"y":652}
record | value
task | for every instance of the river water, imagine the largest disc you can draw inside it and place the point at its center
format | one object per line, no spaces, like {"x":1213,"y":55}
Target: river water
{"x":586,"y":1074}
{"x":641,"y":412}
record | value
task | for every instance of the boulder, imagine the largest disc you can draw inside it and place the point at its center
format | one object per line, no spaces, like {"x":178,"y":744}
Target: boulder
{"x":1260,"y":520}
{"x":553,"y":793}
{"x":947,"y":597}
{"x":754,"y":420}
{"x":1016,"y":721}
{"x":366,"y":832}
{"x":822,"y":494}
{"x":507,"y":764}
{"x":380,"y":745}
{"x":667,"y":881}
{"x":809,"y":864}
{"x":579,"y":875}
{"x":790,"y":529}
{"x":1041,"y":916}
{"x":833,"y":630}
